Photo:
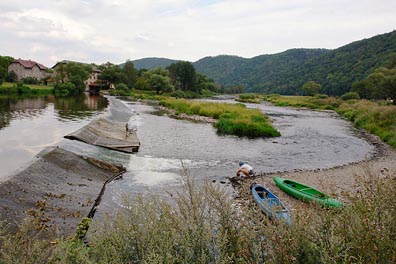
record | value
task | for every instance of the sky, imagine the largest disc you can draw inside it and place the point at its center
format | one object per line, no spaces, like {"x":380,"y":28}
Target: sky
{"x":99,"y":31}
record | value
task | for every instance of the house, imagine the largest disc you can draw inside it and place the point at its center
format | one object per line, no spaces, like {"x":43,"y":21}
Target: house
{"x":93,"y":77}
{"x":28,"y":68}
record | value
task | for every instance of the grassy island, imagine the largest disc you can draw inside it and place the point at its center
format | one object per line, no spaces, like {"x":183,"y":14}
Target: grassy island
{"x":233,"y":119}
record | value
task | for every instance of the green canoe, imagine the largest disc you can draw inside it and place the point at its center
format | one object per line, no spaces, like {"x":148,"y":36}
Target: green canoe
{"x":306,"y":193}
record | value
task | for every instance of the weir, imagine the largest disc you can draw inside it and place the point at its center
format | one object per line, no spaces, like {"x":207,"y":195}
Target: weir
{"x":112,"y":135}
{"x":56,"y":190}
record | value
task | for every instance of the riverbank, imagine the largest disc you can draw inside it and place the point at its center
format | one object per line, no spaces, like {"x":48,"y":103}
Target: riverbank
{"x":340,"y":181}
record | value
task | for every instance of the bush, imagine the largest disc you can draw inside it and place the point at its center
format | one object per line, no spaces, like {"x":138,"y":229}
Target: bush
{"x":321,"y":96}
{"x":65,"y":89}
{"x":118,"y":93}
{"x":30,"y":80}
{"x":184,"y":94}
{"x":122,"y":87}
{"x":350,"y":96}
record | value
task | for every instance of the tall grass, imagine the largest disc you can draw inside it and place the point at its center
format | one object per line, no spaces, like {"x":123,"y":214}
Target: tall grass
{"x":362,"y":232}
{"x":376,"y":118}
{"x":203,"y":225}
{"x":248,"y":98}
{"x":234,"y":119}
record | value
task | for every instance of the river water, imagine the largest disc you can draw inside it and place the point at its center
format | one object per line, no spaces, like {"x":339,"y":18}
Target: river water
{"x":310,"y":140}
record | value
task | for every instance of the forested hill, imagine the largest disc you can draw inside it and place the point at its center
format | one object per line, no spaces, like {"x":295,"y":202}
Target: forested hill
{"x":286,"y":72}
{"x":152,"y":63}
{"x":261,"y":73}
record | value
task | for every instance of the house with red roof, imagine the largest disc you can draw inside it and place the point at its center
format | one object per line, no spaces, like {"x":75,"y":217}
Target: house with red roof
{"x":28,"y":68}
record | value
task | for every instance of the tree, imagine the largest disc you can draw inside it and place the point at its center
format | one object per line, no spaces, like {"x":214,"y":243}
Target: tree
{"x":5,"y":61}
{"x":130,"y":74}
{"x":112,"y":74}
{"x":182,"y":75}
{"x":74,"y":73}
{"x":160,"y":83}
{"x":381,"y":84}
{"x":311,"y":88}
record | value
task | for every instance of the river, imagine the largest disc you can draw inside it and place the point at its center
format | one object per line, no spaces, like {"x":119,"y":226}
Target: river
{"x":310,"y":140}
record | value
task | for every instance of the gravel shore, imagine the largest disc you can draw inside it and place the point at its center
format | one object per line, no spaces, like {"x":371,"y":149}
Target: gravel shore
{"x":339,"y":182}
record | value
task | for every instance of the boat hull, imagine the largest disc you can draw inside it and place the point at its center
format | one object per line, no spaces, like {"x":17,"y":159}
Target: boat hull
{"x":306,"y":193}
{"x":270,"y":204}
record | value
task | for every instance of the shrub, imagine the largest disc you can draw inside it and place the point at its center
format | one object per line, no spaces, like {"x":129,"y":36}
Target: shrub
{"x":350,"y":96}
{"x":64,"y":89}
{"x":30,"y":80}
{"x":122,"y":87}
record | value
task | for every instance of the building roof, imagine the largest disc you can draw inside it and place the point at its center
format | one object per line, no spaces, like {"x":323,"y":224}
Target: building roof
{"x":29,"y":64}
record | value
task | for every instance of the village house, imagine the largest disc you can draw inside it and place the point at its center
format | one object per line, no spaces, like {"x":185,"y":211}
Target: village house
{"x":92,"y":79}
{"x":28,"y":68}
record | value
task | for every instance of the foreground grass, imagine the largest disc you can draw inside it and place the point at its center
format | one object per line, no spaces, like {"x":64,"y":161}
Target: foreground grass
{"x":202,"y":225}
{"x":233,"y":119}
{"x":377,"y":118}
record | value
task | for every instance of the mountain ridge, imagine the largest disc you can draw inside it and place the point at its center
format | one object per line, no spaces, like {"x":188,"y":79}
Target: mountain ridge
{"x":285,"y":72}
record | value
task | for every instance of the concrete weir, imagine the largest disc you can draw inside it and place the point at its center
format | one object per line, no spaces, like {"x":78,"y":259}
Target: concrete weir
{"x":104,"y":133}
{"x":57,"y":189}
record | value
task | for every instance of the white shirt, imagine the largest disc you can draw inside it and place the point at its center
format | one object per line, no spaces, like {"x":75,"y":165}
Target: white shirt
{"x":246,"y":167}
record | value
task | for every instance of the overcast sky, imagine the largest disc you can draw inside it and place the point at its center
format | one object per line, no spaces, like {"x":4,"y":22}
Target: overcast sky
{"x":116,"y":30}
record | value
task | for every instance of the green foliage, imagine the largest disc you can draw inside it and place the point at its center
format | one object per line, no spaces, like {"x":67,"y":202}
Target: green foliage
{"x":376,"y":118}
{"x":111,"y":74}
{"x":30,"y":80}
{"x":130,"y":74}
{"x":122,"y":86}
{"x":152,"y":63}
{"x":350,"y":96}
{"x":311,"y":88}
{"x":5,"y":61}
{"x":71,"y":73}
{"x":118,"y":92}
{"x":248,"y":98}
{"x":182,"y":75}
{"x":65,"y":89}
{"x":160,"y":83}
{"x":82,"y":228}
{"x":234,"y":119}
{"x":286,"y":72}
{"x":381,"y":84}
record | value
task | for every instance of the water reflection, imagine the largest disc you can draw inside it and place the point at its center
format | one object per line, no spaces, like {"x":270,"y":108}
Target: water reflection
{"x":28,"y":125}
{"x":66,"y":108}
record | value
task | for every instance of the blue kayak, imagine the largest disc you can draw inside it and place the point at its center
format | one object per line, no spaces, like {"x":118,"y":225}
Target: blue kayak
{"x":270,"y":204}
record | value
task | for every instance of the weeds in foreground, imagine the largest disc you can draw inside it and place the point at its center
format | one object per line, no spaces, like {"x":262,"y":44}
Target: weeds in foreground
{"x":203,"y":225}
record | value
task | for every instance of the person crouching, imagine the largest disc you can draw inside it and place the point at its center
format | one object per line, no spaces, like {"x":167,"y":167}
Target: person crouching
{"x":246,"y":169}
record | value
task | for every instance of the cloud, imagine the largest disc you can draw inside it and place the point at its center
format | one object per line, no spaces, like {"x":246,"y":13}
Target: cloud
{"x":115,"y":30}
